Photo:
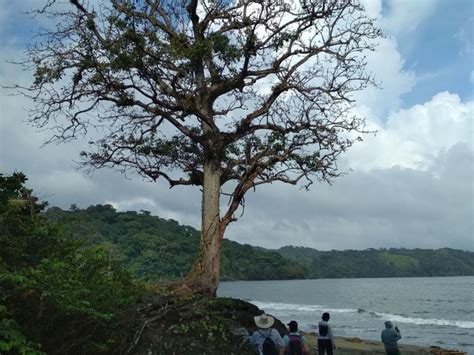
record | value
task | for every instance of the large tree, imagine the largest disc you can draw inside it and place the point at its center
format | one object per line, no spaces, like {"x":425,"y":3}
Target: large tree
{"x":222,"y":94}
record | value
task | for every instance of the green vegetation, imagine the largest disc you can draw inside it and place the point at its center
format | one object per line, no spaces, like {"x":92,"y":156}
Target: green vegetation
{"x":56,"y":296}
{"x":158,"y":249}
{"x":382,"y":262}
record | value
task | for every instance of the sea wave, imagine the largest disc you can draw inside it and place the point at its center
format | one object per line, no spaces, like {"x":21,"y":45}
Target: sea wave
{"x":420,"y":321}
{"x":277,"y":306}
{"x":397,"y":318}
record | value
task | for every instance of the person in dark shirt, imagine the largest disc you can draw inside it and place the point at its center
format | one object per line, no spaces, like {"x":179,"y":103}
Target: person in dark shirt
{"x":390,"y":337}
{"x":325,"y":338}
{"x":295,"y":342}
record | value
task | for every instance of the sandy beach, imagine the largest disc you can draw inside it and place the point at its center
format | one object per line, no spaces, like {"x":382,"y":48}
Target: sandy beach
{"x":357,"y":346}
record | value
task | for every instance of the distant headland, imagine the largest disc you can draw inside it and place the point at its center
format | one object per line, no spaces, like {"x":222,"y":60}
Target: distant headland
{"x":159,"y":249}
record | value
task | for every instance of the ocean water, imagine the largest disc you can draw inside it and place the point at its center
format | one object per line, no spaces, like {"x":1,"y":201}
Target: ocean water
{"x":430,"y":311}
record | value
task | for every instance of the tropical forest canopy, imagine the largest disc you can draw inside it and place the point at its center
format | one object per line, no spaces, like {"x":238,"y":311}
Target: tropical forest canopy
{"x":156,"y":248}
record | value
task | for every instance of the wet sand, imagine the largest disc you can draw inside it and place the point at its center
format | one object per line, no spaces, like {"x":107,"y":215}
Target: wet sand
{"x":356,"y":346}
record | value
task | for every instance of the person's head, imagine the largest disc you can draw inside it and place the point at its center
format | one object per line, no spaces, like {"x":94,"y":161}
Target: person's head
{"x":388,"y":324}
{"x":325,"y":316}
{"x":293,"y":326}
{"x":264,"y":321}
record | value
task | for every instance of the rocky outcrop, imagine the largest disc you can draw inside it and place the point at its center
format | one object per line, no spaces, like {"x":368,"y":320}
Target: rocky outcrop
{"x":171,"y":324}
{"x":195,"y":325}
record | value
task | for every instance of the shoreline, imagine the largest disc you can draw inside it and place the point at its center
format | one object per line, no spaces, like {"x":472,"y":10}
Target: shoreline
{"x":357,"y":346}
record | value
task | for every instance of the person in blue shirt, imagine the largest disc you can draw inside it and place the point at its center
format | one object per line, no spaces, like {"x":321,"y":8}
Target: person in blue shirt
{"x":390,"y":336}
{"x":294,"y":341}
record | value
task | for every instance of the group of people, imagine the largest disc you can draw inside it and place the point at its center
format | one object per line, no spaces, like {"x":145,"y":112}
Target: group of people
{"x":269,"y":342}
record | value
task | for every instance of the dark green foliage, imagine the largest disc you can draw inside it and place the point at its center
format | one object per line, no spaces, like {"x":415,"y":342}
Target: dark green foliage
{"x":198,"y":325}
{"x":155,"y":248}
{"x":382,"y":262}
{"x":56,"y":296}
{"x":244,"y":262}
{"x":152,"y":247}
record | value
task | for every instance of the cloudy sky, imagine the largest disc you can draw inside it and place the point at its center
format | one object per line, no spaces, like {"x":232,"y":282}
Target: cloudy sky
{"x":410,"y":185}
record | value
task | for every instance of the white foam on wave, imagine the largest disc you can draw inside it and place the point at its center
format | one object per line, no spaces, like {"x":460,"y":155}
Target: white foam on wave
{"x":305,"y":308}
{"x":277,"y":306}
{"x":425,"y":321}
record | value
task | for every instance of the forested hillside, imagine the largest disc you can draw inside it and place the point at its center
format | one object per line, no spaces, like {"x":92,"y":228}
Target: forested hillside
{"x":155,"y":248}
{"x":382,"y":262}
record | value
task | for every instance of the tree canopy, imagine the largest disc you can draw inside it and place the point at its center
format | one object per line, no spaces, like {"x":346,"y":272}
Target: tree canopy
{"x":158,"y":249}
{"x":271,"y":80}
{"x":226,"y":95}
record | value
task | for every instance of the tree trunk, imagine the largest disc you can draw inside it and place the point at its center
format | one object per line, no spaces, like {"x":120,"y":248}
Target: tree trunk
{"x":204,"y":275}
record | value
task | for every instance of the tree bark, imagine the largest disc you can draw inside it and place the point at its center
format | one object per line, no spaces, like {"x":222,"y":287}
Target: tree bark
{"x":204,"y":275}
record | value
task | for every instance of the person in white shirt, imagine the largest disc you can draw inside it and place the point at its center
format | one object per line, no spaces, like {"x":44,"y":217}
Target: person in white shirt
{"x":325,"y":338}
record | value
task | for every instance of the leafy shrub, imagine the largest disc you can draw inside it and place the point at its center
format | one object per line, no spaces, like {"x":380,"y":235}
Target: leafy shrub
{"x":56,"y":295}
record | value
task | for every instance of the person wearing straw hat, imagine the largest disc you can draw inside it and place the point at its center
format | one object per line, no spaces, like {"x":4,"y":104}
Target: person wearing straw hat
{"x":267,"y":339}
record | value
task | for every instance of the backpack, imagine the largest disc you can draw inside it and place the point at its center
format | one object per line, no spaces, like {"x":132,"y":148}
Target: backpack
{"x":269,"y":347}
{"x":323,"y":330}
{"x":294,"y":345}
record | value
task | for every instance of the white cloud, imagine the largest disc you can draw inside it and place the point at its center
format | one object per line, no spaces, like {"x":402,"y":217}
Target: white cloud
{"x":133,"y":204}
{"x":414,"y":137}
{"x":386,"y":64}
{"x":406,"y":15}
{"x":373,"y":8}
